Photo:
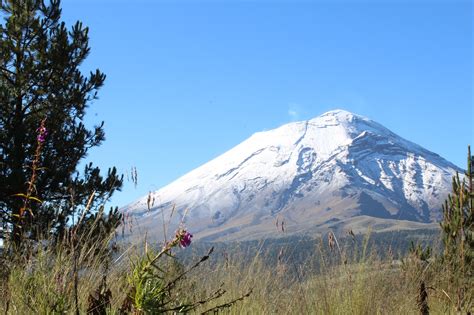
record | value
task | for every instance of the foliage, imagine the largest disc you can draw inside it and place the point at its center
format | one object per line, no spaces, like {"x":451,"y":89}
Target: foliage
{"x":458,"y":237}
{"x":419,"y":252}
{"x":449,"y":275}
{"x":43,"y":101}
{"x":153,"y":290}
{"x":68,"y":278}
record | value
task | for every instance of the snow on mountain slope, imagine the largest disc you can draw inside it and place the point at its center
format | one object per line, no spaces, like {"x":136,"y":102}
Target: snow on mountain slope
{"x":313,"y":174}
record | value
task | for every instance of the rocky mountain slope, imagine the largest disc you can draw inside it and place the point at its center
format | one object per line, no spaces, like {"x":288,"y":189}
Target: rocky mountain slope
{"x":338,"y":171}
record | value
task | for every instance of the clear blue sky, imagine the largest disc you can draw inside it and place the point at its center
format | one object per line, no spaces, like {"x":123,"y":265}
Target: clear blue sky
{"x":188,"y":80}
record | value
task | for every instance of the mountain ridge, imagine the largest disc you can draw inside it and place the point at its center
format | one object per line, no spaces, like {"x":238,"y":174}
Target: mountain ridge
{"x":335,"y":167}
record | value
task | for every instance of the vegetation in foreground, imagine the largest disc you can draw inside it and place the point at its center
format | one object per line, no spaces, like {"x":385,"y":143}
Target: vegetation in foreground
{"x":59,"y":253}
{"x":64,"y":279}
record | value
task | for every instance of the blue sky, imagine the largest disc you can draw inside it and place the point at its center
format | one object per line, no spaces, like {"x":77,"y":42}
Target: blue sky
{"x":188,"y":80}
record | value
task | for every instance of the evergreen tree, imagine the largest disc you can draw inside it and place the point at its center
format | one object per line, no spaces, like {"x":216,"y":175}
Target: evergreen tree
{"x":43,"y":100}
{"x":458,"y":233}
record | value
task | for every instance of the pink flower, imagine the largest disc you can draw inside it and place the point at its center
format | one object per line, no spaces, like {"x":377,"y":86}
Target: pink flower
{"x":42,"y":133}
{"x":185,"y":239}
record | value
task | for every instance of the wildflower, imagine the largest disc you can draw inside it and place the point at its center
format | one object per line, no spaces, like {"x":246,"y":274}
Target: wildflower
{"x":185,"y":238}
{"x":42,"y":133}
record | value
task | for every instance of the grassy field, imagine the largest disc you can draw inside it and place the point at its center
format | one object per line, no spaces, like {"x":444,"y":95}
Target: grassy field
{"x":328,"y":279}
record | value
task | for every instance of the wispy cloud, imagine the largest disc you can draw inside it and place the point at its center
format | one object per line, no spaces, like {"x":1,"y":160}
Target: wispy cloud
{"x":294,"y":111}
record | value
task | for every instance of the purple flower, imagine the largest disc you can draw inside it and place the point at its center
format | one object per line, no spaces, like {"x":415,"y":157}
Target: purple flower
{"x":42,"y":133}
{"x":185,"y":239}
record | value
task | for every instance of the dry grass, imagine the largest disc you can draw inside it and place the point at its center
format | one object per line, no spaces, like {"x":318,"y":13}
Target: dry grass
{"x":339,"y":283}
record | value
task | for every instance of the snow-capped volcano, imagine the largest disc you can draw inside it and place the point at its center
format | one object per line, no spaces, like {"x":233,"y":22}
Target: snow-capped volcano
{"x":330,"y":171}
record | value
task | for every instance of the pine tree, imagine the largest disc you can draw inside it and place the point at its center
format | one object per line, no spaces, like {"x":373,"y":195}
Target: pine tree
{"x":458,"y":232}
{"x":41,"y":84}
